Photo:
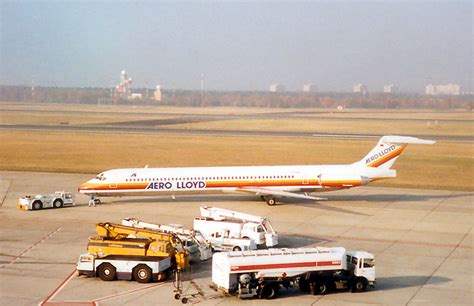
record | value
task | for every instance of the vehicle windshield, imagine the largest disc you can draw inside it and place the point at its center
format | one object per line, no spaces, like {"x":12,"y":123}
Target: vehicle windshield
{"x":260,"y":229}
{"x":189,"y":242}
{"x":368,"y":263}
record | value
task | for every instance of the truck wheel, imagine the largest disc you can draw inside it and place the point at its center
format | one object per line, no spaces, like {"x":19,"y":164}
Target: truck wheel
{"x":303,"y":284}
{"x":106,"y":272}
{"x":37,"y":205}
{"x":359,"y":285}
{"x":318,"y":288}
{"x":142,"y":274}
{"x":58,"y":203}
{"x":269,"y":291}
{"x":237,"y":248}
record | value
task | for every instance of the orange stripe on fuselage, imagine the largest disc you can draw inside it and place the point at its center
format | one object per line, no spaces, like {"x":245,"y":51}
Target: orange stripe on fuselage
{"x":229,"y":184}
{"x":387,"y":157}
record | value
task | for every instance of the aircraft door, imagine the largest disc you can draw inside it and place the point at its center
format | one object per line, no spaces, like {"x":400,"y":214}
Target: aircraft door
{"x":305,"y":179}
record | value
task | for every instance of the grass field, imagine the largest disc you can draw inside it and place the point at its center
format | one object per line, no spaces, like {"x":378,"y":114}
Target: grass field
{"x":416,"y":122}
{"x":440,"y":166}
{"x":31,"y":117}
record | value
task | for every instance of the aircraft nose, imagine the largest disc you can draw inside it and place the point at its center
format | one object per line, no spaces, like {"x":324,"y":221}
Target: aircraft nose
{"x":83,"y":187}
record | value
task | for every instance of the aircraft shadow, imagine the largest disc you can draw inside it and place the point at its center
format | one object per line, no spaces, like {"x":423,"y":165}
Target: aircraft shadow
{"x":300,"y":241}
{"x":213,"y":201}
{"x":394,"y":197}
{"x":320,"y":205}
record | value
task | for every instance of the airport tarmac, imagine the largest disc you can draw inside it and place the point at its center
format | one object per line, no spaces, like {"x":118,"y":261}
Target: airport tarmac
{"x":422,"y":241}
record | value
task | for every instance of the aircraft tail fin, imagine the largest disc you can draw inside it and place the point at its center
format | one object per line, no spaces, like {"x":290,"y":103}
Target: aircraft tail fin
{"x":388,"y":149}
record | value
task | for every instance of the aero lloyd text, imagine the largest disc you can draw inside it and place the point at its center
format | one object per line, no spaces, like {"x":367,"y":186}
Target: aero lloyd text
{"x":177,"y":185}
{"x":380,"y":154}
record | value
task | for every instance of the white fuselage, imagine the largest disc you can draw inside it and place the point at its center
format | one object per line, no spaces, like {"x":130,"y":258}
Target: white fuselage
{"x":199,"y":180}
{"x":267,"y":181}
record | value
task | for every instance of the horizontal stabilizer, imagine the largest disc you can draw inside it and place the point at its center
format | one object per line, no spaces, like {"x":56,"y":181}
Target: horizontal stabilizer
{"x":405,"y":139}
{"x":388,"y":149}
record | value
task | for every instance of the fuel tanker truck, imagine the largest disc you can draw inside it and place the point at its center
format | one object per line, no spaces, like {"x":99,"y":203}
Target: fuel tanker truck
{"x":261,"y":273}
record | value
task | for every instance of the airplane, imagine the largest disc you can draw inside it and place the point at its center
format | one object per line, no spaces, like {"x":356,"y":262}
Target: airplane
{"x":269,"y":182}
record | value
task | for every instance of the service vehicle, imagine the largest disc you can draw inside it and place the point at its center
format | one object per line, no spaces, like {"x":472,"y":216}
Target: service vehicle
{"x":262,"y":273}
{"x":112,"y":267}
{"x":237,"y":225}
{"x":54,"y":200}
{"x":194,"y":241}
{"x":120,"y":240}
{"x":220,"y":241}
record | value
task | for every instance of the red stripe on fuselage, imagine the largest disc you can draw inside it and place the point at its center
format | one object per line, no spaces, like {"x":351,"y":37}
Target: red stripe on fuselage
{"x":226,"y":184}
{"x":286,"y":265}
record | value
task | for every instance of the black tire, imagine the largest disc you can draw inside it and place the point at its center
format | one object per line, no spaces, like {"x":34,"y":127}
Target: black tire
{"x":359,"y":285}
{"x":177,"y":296}
{"x":271,"y":202}
{"x":106,"y":272}
{"x":269,"y":291}
{"x":142,"y":274}
{"x":237,"y":248}
{"x":37,"y":205}
{"x":318,"y":288}
{"x":58,"y":203}
{"x":184,"y":300}
{"x":303,"y":284}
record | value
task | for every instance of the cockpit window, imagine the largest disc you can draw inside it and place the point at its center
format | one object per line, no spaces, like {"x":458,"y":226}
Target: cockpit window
{"x":100,"y":177}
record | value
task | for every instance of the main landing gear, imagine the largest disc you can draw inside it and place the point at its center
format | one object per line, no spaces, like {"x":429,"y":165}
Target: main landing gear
{"x":270,"y":200}
{"x":93,"y":200}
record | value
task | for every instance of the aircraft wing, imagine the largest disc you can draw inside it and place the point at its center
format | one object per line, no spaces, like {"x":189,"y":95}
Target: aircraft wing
{"x":278,"y":193}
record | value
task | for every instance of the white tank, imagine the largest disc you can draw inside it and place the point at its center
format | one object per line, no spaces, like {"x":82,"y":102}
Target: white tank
{"x":275,"y":263}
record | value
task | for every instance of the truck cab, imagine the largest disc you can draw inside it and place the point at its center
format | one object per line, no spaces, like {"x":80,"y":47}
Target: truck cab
{"x":362,"y":265}
{"x":261,"y":233}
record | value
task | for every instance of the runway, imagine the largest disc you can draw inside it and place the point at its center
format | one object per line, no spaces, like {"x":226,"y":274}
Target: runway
{"x":422,"y":241}
{"x":131,"y":128}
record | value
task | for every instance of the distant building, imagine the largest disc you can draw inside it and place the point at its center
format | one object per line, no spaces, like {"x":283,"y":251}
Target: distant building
{"x":390,"y":88}
{"x":277,"y":88}
{"x":360,"y":88}
{"x":310,"y":88}
{"x":446,"y":89}
{"x":136,"y":96}
{"x":157,"y":94}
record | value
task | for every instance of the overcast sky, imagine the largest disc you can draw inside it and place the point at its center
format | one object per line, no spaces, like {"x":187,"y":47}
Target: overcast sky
{"x":237,"y":46}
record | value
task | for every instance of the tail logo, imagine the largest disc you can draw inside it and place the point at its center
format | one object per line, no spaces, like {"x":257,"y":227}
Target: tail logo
{"x":380,"y":154}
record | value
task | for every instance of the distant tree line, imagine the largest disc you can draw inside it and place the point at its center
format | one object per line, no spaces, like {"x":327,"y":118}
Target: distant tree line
{"x":195,"y":98}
